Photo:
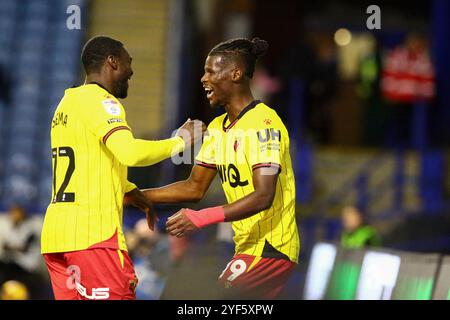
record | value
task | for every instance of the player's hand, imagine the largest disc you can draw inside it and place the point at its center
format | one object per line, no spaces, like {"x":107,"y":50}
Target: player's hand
{"x":137,"y":198}
{"x":179,"y":225}
{"x":191,"y":131}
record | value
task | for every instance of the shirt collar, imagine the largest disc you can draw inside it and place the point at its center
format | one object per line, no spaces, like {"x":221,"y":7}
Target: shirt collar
{"x":252,"y":104}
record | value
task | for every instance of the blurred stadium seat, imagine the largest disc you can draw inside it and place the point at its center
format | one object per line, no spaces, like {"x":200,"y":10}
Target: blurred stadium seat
{"x":39,"y":52}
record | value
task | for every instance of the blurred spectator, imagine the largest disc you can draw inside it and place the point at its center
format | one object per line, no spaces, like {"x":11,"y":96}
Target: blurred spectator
{"x":20,"y":256}
{"x":150,"y":253}
{"x":357,"y":234}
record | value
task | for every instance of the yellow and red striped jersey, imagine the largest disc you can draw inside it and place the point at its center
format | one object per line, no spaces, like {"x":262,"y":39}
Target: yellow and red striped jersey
{"x":88,"y":182}
{"x":256,"y":138}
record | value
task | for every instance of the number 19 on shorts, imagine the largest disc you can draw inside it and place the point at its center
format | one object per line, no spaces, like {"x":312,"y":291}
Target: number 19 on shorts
{"x":236,"y":267}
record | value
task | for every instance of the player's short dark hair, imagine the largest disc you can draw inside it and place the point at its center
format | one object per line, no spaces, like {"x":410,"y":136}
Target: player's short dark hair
{"x":96,"y":50}
{"x":247,"y":50}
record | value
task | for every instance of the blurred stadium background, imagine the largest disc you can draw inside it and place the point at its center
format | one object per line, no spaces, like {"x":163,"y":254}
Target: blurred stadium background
{"x":367,"y":110}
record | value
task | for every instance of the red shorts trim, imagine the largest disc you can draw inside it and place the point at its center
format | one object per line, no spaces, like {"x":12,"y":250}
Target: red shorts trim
{"x":93,"y":274}
{"x":252,"y":277}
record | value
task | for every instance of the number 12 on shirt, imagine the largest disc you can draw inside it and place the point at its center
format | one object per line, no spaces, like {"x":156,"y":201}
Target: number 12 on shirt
{"x":61,"y":195}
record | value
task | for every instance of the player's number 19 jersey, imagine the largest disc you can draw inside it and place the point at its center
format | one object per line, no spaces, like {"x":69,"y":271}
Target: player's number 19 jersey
{"x":256,"y":138}
{"x":88,"y":182}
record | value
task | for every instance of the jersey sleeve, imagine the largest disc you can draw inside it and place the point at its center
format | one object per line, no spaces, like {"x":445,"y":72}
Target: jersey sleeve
{"x":206,"y":156}
{"x":129,"y":186}
{"x":103,"y":116}
{"x":267,"y":143}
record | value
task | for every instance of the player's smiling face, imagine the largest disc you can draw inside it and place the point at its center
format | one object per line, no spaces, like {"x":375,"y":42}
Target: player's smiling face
{"x":217,"y":80}
{"x":125,"y":72}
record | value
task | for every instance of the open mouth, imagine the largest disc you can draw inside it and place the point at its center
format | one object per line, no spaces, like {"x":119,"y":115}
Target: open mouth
{"x":209,"y":92}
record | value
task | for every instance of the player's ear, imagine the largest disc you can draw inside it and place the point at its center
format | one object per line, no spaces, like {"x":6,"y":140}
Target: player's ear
{"x":112,"y":61}
{"x":237,"y":75}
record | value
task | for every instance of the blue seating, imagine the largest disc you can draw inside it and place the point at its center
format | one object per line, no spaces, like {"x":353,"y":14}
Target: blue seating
{"x":20,"y":188}
{"x":7,"y":26}
{"x":7,"y":5}
{"x":2,"y":111}
{"x":31,"y":41}
{"x":45,"y":191}
{"x":26,"y":105}
{"x":8,"y":14}
{"x":19,"y":165}
{"x":39,"y":7}
{"x":43,"y":57}
{"x":66,"y":3}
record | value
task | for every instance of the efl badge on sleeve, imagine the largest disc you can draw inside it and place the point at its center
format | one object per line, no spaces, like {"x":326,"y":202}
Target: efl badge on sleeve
{"x":111,"y":107}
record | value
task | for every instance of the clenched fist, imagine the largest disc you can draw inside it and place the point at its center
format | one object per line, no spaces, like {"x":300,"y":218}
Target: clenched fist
{"x":191,"y":131}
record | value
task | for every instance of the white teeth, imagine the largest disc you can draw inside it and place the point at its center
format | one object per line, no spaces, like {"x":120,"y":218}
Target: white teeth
{"x":208,"y":91}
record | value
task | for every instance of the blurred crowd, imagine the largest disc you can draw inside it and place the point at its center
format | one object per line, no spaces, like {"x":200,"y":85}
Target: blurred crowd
{"x":20,"y":257}
{"x":23,"y":274}
{"x":150,"y":252}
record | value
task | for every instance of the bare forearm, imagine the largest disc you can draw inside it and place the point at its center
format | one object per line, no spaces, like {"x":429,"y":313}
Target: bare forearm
{"x":247,"y":206}
{"x":181,"y":191}
{"x":187,"y":220}
{"x":259,"y":200}
{"x":189,"y":190}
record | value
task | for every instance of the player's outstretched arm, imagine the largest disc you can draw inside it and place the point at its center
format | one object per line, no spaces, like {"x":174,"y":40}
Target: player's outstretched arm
{"x":139,"y":153}
{"x":190,"y":190}
{"x":264,"y":181}
{"x":136,"y":198}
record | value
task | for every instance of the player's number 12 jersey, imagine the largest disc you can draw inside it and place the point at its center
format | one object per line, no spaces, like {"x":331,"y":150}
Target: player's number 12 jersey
{"x":88,"y":182}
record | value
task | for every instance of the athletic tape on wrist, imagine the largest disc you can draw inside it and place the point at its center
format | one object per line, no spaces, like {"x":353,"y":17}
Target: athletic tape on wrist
{"x":206,"y":216}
